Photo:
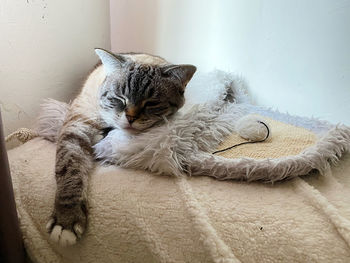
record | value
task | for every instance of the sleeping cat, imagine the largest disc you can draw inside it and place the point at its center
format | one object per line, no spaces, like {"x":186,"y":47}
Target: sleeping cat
{"x":133,"y":92}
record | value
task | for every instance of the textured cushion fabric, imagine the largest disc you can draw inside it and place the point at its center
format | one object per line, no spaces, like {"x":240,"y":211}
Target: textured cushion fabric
{"x":135,"y":216}
{"x":284,"y":140}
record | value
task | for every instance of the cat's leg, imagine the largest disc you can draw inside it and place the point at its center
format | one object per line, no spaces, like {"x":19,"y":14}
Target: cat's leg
{"x":74,"y":162}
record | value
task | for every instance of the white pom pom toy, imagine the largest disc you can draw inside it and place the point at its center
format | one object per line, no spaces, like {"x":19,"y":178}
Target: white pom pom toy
{"x":252,"y":128}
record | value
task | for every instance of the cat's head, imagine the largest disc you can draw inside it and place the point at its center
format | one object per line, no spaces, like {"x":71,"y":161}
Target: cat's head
{"x":137,"y":95}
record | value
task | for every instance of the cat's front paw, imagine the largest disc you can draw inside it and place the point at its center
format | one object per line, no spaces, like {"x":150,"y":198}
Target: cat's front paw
{"x":67,"y":224}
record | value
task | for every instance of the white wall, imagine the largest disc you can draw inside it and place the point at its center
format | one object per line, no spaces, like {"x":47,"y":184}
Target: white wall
{"x":294,"y":55}
{"x":46,"y":50}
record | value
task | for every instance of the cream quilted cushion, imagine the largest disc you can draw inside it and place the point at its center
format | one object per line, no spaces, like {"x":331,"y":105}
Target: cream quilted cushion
{"x":139,"y":217}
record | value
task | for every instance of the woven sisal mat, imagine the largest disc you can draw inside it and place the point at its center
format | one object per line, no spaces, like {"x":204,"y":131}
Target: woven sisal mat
{"x":284,"y":140}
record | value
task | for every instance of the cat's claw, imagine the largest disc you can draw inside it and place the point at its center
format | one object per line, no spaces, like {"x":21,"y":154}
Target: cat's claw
{"x":78,"y":230}
{"x":50,"y":224}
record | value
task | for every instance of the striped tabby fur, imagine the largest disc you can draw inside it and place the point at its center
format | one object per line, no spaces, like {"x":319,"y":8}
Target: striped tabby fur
{"x":127,"y":91}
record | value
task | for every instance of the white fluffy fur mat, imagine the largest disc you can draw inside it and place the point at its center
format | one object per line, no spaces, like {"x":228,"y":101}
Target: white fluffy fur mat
{"x":185,"y":143}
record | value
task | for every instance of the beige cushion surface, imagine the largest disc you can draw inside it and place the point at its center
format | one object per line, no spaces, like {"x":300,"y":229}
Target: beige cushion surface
{"x":139,"y":217}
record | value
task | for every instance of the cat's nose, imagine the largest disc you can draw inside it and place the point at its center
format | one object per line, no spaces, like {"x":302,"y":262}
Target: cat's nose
{"x":130,"y":118}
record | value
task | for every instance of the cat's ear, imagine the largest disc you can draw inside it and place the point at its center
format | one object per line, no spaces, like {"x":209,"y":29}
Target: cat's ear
{"x":182,"y":72}
{"x":111,"y":62}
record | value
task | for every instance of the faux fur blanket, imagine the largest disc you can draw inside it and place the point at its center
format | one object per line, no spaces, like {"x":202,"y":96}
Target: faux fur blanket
{"x":185,"y":143}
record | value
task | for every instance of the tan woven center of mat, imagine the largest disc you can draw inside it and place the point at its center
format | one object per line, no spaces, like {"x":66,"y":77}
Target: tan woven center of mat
{"x":285,"y":140}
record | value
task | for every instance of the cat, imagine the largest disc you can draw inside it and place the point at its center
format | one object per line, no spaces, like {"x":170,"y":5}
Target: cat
{"x":131,"y":91}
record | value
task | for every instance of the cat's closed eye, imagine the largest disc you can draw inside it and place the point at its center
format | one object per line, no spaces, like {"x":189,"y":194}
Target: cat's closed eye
{"x":151,"y":103}
{"x":121,"y":99}
{"x":118,"y":102}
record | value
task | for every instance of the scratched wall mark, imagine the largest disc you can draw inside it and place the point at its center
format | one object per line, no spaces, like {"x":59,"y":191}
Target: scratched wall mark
{"x":5,"y":107}
{"x":13,"y":108}
{"x":44,"y":9}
